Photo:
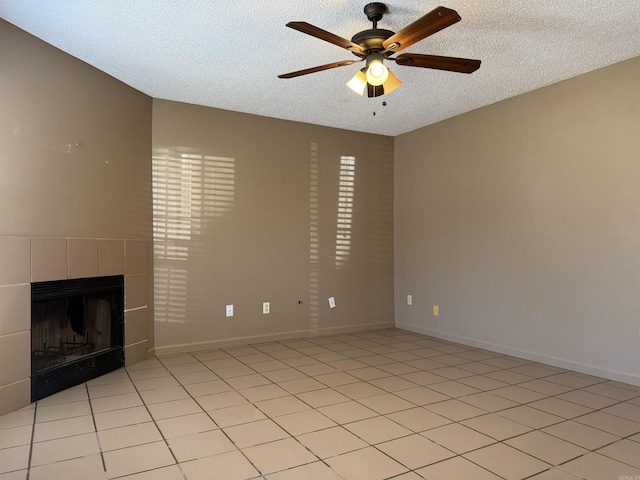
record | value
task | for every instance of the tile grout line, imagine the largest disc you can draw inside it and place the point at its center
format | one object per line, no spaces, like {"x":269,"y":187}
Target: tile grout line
{"x":221,"y":429}
{"x":375,"y":446}
{"x":313,"y":408}
{"x":164,"y":439}
{"x":255,"y":406}
{"x":95,"y":429}
{"x":33,"y":433}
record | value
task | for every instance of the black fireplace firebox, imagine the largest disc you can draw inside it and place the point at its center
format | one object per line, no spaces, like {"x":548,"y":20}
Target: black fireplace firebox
{"x":77,"y":332}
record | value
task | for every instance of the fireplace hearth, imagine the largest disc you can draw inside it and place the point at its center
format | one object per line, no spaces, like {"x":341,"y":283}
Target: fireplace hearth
{"x":77,"y":329}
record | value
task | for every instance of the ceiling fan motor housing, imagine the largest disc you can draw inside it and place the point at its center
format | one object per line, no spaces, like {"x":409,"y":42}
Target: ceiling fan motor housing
{"x":371,"y":40}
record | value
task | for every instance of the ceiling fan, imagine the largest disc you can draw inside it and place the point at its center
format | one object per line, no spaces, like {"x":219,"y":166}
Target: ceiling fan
{"x":376,"y":45}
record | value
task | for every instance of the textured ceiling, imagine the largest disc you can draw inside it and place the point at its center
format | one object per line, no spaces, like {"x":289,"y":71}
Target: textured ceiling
{"x":227,"y":54}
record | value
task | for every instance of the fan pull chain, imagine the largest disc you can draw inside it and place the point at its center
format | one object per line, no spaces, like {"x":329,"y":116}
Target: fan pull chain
{"x":384,"y":104}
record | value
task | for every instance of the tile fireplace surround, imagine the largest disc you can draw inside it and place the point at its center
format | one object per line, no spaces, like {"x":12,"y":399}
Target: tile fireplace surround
{"x":38,"y":259}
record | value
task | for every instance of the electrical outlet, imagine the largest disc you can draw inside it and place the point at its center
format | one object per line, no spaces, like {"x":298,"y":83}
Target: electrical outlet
{"x":436,"y":310}
{"x":409,"y":299}
{"x":266,"y":307}
{"x":332,"y":302}
{"x":229,"y":310}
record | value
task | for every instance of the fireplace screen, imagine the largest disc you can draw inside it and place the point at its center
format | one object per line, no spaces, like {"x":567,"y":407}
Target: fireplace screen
{"x":76,"y":331}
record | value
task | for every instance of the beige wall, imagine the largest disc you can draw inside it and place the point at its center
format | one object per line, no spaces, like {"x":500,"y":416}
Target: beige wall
{"x":521,"y":220}
{"x":75,"y":192}
{"x":247,"y":210}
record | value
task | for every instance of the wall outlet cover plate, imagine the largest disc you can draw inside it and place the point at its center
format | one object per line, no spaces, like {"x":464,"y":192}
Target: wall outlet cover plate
{"x":332,"y":302}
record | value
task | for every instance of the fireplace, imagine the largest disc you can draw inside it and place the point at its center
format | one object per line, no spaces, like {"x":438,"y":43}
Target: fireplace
{"x":77,"y":330}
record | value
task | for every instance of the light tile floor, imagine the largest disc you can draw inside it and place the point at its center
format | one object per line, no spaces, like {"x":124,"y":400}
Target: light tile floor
{"x":371,"y":405}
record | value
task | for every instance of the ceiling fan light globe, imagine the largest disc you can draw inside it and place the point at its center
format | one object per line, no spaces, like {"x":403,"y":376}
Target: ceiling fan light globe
{"x":391,"y":84}
{"x":377,"y":73}
{"x":358,"y":83}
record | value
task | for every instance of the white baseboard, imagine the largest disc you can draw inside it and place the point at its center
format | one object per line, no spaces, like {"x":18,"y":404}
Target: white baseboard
{"x":165,"y":350}
{"x":528,"y":355}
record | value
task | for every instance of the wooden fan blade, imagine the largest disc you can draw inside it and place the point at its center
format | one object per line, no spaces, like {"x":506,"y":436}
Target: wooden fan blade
{"x":434,"y":21}
{"x":328,"y":66}
{"x":452,"y":64}
{"x":317,"y":32}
